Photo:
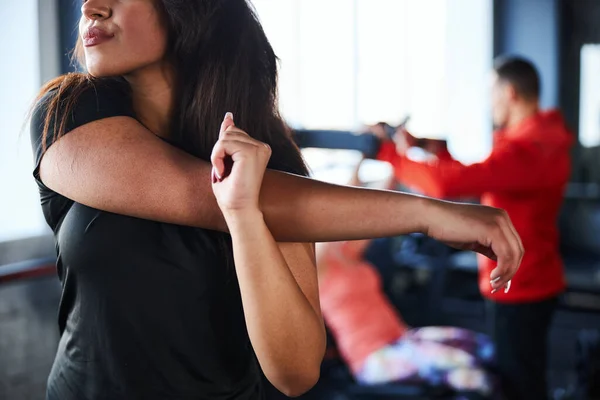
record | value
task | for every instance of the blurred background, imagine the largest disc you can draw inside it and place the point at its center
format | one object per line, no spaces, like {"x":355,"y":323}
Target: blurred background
{"x":344,"y":64}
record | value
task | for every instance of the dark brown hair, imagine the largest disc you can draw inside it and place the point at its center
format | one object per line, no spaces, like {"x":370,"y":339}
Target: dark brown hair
{"x":521,"y":74}
{"x":223,"y":62}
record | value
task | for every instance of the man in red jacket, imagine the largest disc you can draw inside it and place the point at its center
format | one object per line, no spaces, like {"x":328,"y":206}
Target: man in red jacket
{"x":525,"y":174}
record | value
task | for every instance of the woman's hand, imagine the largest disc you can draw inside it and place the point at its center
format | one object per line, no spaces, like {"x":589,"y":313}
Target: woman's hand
{"x":482,"y":229}
{"x":239,"y":163}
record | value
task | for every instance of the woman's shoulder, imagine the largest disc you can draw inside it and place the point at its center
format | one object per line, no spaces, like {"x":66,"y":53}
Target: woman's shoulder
{"x":73,"y":100}
{"x":75,"y":92}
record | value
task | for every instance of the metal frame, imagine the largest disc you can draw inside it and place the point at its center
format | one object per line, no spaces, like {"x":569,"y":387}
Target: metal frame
{"x":341,"y":140}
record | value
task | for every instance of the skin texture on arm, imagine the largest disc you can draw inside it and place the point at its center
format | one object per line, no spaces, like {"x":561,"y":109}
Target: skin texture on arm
{"x":355,"y":247}
{"x":281,"y":304}
{"x":117,"y":165}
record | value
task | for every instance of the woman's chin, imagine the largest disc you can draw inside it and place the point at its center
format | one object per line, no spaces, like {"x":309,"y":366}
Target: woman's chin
{"x":104,"y":71}
{"x":96,"y":75}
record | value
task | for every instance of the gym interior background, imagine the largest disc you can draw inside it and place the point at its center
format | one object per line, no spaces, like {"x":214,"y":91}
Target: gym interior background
{"x":344,"y":63}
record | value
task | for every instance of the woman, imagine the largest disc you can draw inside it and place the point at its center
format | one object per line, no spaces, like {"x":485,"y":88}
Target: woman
{"x":158,"y":302}
{"x":376,"y":343}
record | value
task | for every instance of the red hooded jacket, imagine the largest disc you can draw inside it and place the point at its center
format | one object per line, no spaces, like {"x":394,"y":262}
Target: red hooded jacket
{"x":526,"y":175}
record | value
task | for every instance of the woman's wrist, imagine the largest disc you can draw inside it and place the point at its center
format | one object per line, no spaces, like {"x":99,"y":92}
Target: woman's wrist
{"x":428,"y":208}
{"x":242,"y":218}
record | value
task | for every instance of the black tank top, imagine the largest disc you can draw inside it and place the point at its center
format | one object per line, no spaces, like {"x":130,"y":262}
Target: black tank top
{"x":148,"y":310}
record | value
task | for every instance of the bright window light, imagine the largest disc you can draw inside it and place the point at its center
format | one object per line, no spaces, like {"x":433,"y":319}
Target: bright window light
{"x":345,"y":63}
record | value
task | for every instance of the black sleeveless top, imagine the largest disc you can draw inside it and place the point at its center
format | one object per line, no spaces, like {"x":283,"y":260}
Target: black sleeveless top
{"x":148,"y":310}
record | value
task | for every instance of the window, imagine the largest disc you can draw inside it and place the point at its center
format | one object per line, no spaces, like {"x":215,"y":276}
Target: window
{"x":20,"y":213}
{"x":345,"y":63}
{"x":589,"y":103}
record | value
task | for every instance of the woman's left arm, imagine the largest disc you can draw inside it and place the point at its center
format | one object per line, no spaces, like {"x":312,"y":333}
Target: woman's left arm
{"x":278,"y":284}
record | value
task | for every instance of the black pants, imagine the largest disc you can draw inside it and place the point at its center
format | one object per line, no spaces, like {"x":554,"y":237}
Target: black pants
{"x":520,"y":333}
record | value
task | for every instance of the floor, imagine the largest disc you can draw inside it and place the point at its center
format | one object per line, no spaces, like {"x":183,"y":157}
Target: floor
{"x":28,"y":337}
{"x":29,"y":334}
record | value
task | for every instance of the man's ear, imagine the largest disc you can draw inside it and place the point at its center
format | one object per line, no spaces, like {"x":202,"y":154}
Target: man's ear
{"x":511,"y":92}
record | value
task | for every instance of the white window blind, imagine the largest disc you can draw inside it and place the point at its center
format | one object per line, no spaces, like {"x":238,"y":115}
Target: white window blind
{"x":345,"y":63}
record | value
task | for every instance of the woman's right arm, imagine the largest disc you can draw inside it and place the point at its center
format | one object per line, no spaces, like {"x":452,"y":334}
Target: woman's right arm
{"x":117,"y":165}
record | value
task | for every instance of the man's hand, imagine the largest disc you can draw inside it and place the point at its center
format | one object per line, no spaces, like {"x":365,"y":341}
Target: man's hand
{"x":403,"y":140}
{"x":379,"y":130}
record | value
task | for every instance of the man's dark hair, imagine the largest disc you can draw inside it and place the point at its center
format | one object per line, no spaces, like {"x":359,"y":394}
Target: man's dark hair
{"x":520,"y":73}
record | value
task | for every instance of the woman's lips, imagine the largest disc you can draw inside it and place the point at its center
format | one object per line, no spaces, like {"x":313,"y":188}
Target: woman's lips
{"x":95,"y":36}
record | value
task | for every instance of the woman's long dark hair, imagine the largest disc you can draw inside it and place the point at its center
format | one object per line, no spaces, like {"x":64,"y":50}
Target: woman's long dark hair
{"x":223,"y":62}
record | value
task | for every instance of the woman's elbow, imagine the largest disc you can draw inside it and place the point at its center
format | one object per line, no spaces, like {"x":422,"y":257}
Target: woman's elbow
{"x":298,"y":384}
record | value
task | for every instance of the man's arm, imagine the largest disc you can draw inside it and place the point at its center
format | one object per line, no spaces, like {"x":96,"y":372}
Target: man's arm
{"x":509,"y":167}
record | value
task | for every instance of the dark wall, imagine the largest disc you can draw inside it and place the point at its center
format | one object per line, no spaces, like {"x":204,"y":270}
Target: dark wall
{"x":531,"y":28}
{"x":581,"y":26}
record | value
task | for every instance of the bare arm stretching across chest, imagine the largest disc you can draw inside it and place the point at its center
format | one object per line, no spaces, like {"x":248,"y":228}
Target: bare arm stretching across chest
{"x":117,"y":165}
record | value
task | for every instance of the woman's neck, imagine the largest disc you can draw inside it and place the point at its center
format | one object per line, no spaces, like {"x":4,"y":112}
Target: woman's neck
{"x":152,"y":95}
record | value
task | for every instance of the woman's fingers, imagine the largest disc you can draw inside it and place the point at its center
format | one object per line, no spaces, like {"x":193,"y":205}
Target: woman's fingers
{"x":505,"y":258}
{"x":486,"y":251}
{"x":229,"y":130}
{"x":228,"y":148}
{"x":234,"y":133}
{"x":238,"y":134}
{"x":217,"y":159}
{"x":231,"y":140}
{"x":517,"y":246}
{"x":226,"y":124}
{"x":508,"y":248}
{"x":518,"y":241}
